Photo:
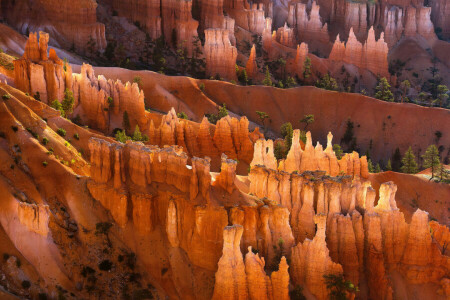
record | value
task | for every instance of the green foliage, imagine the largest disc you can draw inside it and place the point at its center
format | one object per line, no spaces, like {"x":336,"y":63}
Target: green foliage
{"x":303,"y":136}
{"x":182,"y":115}
{"x":278,"y":249}
{"x":110,"y":102}
{"x":61,"y":132}
{"x":44,"y":163}
{"x":138,"y":136}
{"x":278,"y":151}
{"x":6,"y":96}
{"x":307,"y":68}
{"x":383,"y":90}
{"x":431,"y":159}
{"x":442,"y":96}
{"x":201,"y":86}
{"x":268,"y":78}
{"x":370,"y":166}
{"x":338,"y":151}
{"x":241,"y":75}
{"x":57,"y":105}
{"x":409,"y":164}
{"x":45,"y":141}
{"x":37,"y":96}
{"x":262,"y":116}
{"x":389,"y":165}
{"x":443,"y":174}
{"x":76,"y":136}
{"x":67,"y":103}
{"x":307,"y":119}
{"x":121,"y":136}
{"x":287,"y":132}
{"x":404,"y":86}
{"x":377,"y":168}
{"x":290,"y":82}
{"x":125,"y":121}
{"x":339,"y":287}
{"x":328,"y":83}
{"x":138,"y":80}
{"x":223,"y":112}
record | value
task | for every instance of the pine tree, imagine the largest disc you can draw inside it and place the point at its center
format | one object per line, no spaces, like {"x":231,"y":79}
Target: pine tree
{"x":337,"y":150}
{"x":396,"y":160}
{"x":409,"y":164}
{"x":262,"y":116}
{"x":268,"y":79}
{"x":370,"y":166}
{"x":431,"y":159}
{"x":443,"y":173}
{"x":126,"y":121}
{"x":307,"y":68}
{"x":389,"y":166}
{"x":307,"y":119}
{"x":67,"y":103}
{"x":327,"y":82}
{"x":287,"y":133}
{"x":378,"y":168}
{"x":57,"y":105}
{"x":383,"y":90}
{"x":137,"y":135}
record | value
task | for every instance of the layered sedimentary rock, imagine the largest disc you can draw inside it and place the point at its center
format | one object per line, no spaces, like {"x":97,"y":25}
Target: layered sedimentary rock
{"x":251,"y":67}
{"x":73,"y":24}
{"x":285,"y":36}
{"x":371,"y":56}
{"x":227,"y":174}
{"x":310,"y":158}
{"x":34,"y":217}
{"x":211,"y":15}
{"x":146,"y":13}
{"x":309,"y":28}
{"x":177,"y":22}
{"x":250,"y":18}
{"x":220,"y":54}
{"x":231,"y":136}
{"x":440,"y":15}
{"x":310,"y":261}
{"x":300,"y":57}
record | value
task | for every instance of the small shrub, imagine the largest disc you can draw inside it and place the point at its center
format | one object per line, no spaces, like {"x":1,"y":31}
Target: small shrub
{"x":6,"y":256}
{"x":26,"y":284}
{"x":61,"y":131}
{"x":6,"y":97}
{"x":105,"y":265}
{"x":201,"y":86}
{"x":76,"y":136}
{"x":14,"y":128}
{"x":44,"y":163}
{"x":18,"y":263}
{"x":87,"y":271}
{"x":45,"y":141}
{"x":182,"y":115}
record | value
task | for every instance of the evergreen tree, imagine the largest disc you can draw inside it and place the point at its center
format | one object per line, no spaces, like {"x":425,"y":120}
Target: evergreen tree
{"x":409,"y":164}
{"x":268,"y":78}
{"x":122,"y":137}
{"x":307,"y":119}
{"x":67,"y":103}
{"x":287,"y":133}
{"x":405,"y":85}
{"x":396,"y":160}
{"x":57,"y":105}
{"x":338,"y":151}
{"x":442,"y":95}
{"x":126,"y":121}
{"x":443,"y":174}
{"x":389,"y":165}
{"x":383,"y":90}
{"x":262,"y":116}
{"x":137,"y":135}
{"x":328,"y":83}
{"x":307,"y":68}
{"x":339,"y":287}
{"x":431,"y":159}
{"x":370,"y":166}
{"x":378,"y":168}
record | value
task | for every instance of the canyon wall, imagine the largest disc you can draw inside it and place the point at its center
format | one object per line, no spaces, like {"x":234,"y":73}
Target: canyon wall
{"x":220,"y":54}
{"x":72,"y":24}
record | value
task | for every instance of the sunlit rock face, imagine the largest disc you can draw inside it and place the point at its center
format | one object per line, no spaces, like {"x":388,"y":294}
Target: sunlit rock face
{"x":220,"y":54}
{"x":73,"y":24}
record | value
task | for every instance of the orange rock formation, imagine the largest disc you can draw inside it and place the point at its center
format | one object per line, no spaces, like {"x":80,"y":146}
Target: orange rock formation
{"x":220,"y":54}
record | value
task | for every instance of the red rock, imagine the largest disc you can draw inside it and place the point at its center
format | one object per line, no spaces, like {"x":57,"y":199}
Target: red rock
{"x":220,"y":54}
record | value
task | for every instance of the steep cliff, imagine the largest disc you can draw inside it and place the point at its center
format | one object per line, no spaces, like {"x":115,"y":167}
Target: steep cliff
{"x":220,"y":54}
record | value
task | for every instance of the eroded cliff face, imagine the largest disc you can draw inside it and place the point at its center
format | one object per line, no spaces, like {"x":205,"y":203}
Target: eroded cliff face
{"x":371,"y":56}
{"x":220,"y":54}
{"x":72,"y":24}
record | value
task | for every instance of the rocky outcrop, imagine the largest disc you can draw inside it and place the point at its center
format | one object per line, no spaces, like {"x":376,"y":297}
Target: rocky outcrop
{"x":248,"y":17}
{"x":177,"y":22}
{"x":310,"y":261}
{"x":310,"y":158}
{"x":440,"y":15}
{"x":34,"y":216}
{"x":145,"y":13}
{"x":220,"y":54}
{"x":285,"y":36}
{"x":300,"y":57}
{"x":371,"y":56}
{"x":227,"y":174}
{"x":231,"y":282}
{"x":309,"y":28}
{"x":73,"y":24}
{"x":251,"y":67}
